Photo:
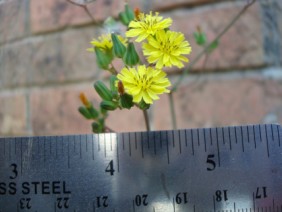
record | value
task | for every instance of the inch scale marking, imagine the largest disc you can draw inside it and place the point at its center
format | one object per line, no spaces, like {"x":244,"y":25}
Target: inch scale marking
{"x":234,"y":169}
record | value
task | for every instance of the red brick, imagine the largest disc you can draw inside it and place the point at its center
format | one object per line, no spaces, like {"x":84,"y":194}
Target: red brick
{"x":54,"y":14}
{"x":169,"y":4}
{"x":240,"y":47}
{"x":13,"y":114}
{"x":13,"y":19}
{"x":223,"y":101}
{"x":49,"y":59}
{"x":54,"y":111}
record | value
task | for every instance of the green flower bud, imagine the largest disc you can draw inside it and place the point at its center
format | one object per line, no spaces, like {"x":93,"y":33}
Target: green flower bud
{"x":126,"y":101}
{"x":94,"y":113}
{"x":97,"y":128}
{"x":108,"y":105}
{"x":83,"y":111}
{"x":143,"y":106}
{"x":103,"y":59}
{"x":129,"y":13}
{"x":118,"y":47}
{"x":103,"y":91}
{"x":123,"y":18}
{"x":126,"y":16}
{"x":130,"y":57}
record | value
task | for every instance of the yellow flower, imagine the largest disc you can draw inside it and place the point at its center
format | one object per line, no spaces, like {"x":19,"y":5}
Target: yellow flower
{"x":167,"y":49}
{"x":144,"y":83}
{"x":104,"y":42}
{"x":147,"y":24}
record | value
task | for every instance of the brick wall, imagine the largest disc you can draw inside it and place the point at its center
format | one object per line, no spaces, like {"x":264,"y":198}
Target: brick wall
{"x":44,"y":66}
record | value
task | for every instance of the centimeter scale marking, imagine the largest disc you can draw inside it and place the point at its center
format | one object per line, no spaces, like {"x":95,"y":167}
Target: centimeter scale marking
{"x":226,"y":169}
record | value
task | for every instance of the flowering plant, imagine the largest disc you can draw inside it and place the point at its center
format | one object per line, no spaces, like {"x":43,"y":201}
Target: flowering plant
{"x":142,"y":78}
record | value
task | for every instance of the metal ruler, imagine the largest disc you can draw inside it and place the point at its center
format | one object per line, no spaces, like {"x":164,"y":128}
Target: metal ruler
{"x":228,"y":169}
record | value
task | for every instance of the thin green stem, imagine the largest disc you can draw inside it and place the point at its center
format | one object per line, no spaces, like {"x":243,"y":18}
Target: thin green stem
{"x":172,"y":110}
{"x":199,"y":56}
{"x":146,"y":117}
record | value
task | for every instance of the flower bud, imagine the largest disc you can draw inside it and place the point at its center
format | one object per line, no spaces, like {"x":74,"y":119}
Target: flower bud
{"x":126,"y":101}
{"x":143,"y":105}
{"x":126,"y":16}
{"x":118,"y":47}
{"x":103,"y":91}
{"x":108,"y":105}
{"x":130,"y":57}
{"x":97,"y":128}
{"x":103,"y":59}
{"x":129,"y":13}
{"x":83,"y":111}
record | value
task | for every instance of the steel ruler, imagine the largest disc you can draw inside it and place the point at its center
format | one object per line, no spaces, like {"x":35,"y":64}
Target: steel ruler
{"x":229,"y":169}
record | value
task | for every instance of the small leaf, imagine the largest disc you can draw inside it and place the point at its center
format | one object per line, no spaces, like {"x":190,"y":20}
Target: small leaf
{"x":213,"y":46}
{"x":200,"y":38}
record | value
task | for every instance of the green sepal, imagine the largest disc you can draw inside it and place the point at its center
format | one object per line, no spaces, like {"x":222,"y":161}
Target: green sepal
{"x":143,"y":105}
{"x":103,"y":59}
{"x":102,"y":90}
{"x":200,"y":38}
{"x":83,"y":111}
{"x":126,"y":101}
{"x":130,"y":57}
{"x":108,"y":105}
{"x":118,"y":47}
{"x":113,"y":79}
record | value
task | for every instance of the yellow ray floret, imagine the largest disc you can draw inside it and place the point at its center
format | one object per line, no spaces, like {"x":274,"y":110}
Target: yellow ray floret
{"x":144,"y":83}
{"x":104,"y":42}
{"x":167,"y":48}
{"x":147,"y":24}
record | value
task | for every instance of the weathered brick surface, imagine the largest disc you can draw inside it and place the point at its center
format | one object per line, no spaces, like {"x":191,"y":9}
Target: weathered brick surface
{"x":48,"y":59}
{"x":54,"y":111}
{"x":54,"y":14}
{"x":168,"y":4}
{"x":13,"y":114}
{"x":13,"y":20}
{"x":219,"y":102}
{"x":241,"y":46}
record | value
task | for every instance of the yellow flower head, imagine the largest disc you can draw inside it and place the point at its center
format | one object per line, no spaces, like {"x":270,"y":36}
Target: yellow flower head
{"x":147,"y":24}
{"x":144,"y":83}
{"x":104,"y":42}
{"x":167,"y":49}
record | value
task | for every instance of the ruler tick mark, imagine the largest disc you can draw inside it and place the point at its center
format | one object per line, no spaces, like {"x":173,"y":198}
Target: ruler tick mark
{"x":248,"y":134}
{"x":117,"y":144}
{"x":272,"y":136}
{"x":218,"y":151}
{"x":278,"y":130}
{"x":135,"y":136}
{"x":223,"y":136}
{"x":142,"y":148}
{"x":155,"y":147}
{"x":80,"y":147}
{"x":185,"y":133}
{"x":210,"y":131}
{"x":260,"y":136}
{"x":229,"y":137}
{"x":241,"y":132}
{"x":105,"y":147}
{"x":129,"y":144}
{"x":179,"y":139}
{"x":267,"y":145}
{"x":68,"y":153}
{"x":123,"y":146}
{"x":192,"y":141}
{"x":198,"y":137}
{"x":205,"y":139}
{"x":148,"y":141}
{"x":98,"y":143}
{"x":236,"y":139}
{"x":167,"y":150}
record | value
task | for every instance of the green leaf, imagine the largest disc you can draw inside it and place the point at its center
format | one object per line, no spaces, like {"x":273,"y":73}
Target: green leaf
{"x":200,"y":38}
{"x":213,"y":46}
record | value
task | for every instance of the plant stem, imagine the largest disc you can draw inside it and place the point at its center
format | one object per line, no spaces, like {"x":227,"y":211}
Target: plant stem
{"x":172,"y":110}
{"x":145,"y":113}
{"x":199,"y":56}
